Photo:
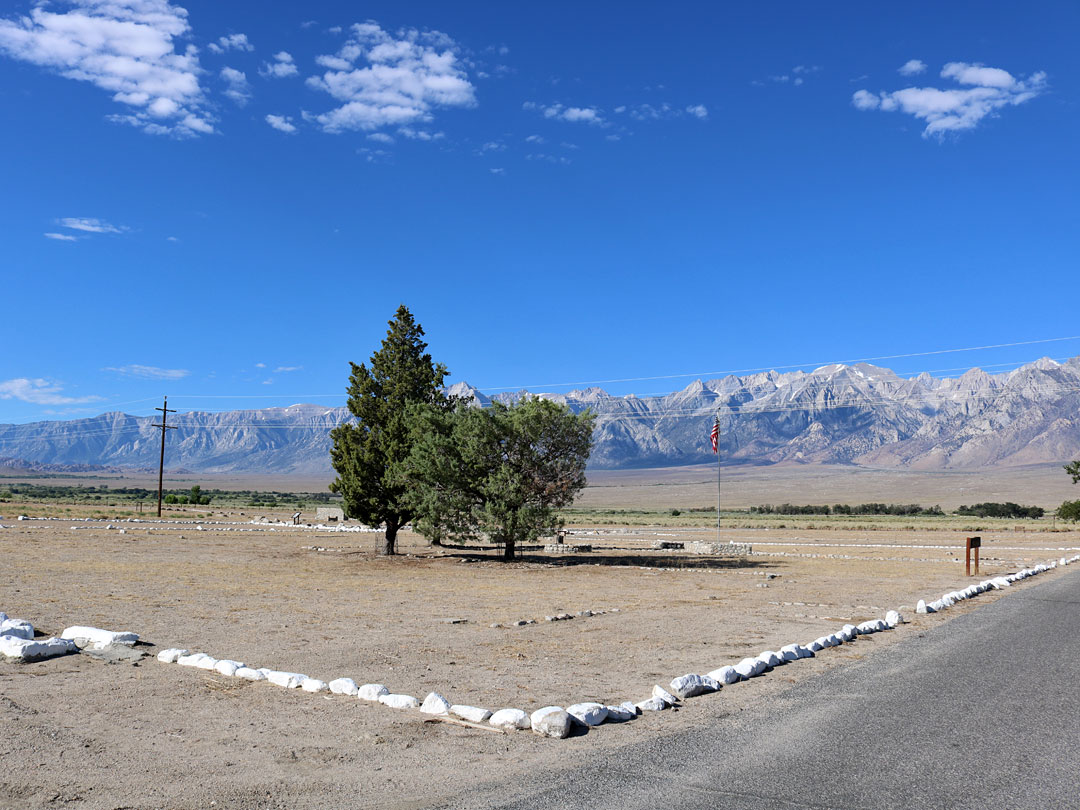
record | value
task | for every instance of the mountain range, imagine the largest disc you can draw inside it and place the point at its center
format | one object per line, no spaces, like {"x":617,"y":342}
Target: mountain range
{"x":839,"y":414}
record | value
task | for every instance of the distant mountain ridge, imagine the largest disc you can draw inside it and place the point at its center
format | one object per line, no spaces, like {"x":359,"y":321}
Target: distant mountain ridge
{"x":859,"y":414}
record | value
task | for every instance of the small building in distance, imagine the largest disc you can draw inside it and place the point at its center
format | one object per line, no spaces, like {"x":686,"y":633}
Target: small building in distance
{"x":329,"y":514}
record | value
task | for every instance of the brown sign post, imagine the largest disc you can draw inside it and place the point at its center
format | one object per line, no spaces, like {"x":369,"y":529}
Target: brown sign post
{"x":972,"y":543}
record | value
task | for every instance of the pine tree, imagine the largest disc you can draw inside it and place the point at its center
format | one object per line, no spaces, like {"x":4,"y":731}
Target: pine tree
{"x":369,"y":454}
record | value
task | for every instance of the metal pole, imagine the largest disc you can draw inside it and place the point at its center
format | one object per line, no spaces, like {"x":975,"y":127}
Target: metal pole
{"x":718,"y":488}
{"x":165,"y":411}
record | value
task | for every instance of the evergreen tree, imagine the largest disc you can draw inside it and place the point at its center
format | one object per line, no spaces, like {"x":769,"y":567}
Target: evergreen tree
{"x":1073,"y":469}
{"x":500,"y":472}
{"x":369,"y":454}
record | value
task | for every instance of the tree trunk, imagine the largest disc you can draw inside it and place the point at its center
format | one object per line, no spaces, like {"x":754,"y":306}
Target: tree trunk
{"x":388,"y":545}
{"x":508,"y":549}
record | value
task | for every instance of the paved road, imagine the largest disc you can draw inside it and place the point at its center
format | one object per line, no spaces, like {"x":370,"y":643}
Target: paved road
{"x":983,"y":711}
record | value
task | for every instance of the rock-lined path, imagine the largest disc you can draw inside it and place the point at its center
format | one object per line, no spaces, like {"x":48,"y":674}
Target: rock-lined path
{"x":982,"y":711}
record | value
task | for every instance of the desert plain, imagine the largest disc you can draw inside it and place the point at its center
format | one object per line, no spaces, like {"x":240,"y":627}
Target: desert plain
{"x":236,"y":583}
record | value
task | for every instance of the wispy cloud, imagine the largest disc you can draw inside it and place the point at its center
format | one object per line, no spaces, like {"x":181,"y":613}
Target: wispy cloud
{"x":238,"y":89}
{"x":39,"y":392}
{"x":61,"y":237}
{"x":287,"y":369}
{"x":984,"y":91}
{"x":391,"y":80}
{"x":125,"y":47}
{"x":91,"y":225}
{"x":233,"y":42}
{"x":561,"y":112}
{"x":149,"y":372}
{"x":912,"y":67}
{"x":282,"y":67}
{"x":282,"y":123}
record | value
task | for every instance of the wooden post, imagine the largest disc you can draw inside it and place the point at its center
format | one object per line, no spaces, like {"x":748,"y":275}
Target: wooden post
{"x":971,"y":543}
{"x":165,"y":411}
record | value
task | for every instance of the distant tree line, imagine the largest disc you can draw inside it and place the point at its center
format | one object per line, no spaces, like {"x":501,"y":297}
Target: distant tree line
{"x":1001,"y":510}
{"x":903,"y":509}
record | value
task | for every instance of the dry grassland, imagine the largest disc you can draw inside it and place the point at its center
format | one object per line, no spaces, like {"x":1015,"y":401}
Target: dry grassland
{"x":160,"y":735}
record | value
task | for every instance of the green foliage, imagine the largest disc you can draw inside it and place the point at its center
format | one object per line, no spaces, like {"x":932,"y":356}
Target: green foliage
{"x":903,"y":509}
{"x":1001,"y":510}
{"x":675,"y":513}
{"x":500,"y":472}
{"x":1073,"y":469}
{"x":1070,"y":510}
{"x":197,"y":497}
{"x":369,"y":456}
{"x":170,"y":498}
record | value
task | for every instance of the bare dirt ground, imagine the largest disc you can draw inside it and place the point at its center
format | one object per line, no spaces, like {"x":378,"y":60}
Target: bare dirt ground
{"x":82,"y":732}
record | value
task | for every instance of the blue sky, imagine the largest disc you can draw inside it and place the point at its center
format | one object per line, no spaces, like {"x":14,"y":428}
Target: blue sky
{"x":225,"y":202}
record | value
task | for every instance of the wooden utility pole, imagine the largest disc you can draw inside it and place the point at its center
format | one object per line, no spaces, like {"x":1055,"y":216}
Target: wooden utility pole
{"x":165,"y":411}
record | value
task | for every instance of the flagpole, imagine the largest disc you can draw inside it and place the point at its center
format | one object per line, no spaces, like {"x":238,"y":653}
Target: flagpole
{"x":718,"y":484}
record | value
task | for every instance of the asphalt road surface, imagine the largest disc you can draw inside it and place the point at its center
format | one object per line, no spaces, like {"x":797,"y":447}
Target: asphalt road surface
{"x":982,"y":711}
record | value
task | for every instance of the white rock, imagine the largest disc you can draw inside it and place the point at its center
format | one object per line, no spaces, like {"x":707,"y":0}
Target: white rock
{"x":749,"y":667}
{"x":653,"y":704}
{"x":770,"y":658}
{"x":288,"y":680}
{"x":3,"y":616}
{"x":250,"y":674}
{"x":921,"y":607}
{"x":26,"y":649}
{"x":550,"y":721}
{"x":815,"y":646}
{"x":789,"y":653}
{"x":666,"y":696}
{"x":630,"y":706}
{"x":689,"y":686}
{"x":227,"y":667}
{"x":588,"y":714}
{"x":848,"y":632}
{"x":371,"y":691}
{"x":824,"y":641}
{"x":867,"y":627}
{"x":892,"y":619}
{"x":207,"y":663}
{"x":435,"y":703}
{"x":16,"y":628}
{"x":725,"y":675}
{"x":399,"y":701}
{"x":509,"y":719}
{"x":169,"y":656}
{"x":314,"y":685}
{"x":473,"y":714}
{"x":99,"y":639}
{"x":620,"y":714}
{"x":344,"y":686}
{"x":192,"y":659}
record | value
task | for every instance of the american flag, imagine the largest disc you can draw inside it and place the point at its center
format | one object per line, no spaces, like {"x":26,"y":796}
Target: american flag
{"x":715,"y":435}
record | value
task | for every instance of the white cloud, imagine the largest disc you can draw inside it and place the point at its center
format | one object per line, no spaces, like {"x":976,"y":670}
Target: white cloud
{"x":149,"y":372}
{"x":260,"y":365}
{"x":493,"y":146}
{"x":125,"y":47}
{"x":911,"y":67}
{"x":381,"y":137}
{"x":282,"y":66}
{"x":953,"y":110}
{"x":698,"y":110}
{"x":38,"y":392}
{"x":282,"y":123}
{"x":497,"y":171}
{"x":233,"y":42}
{"x":91,"y":225}
{"x":171,"y":239}
{"x":61,"y":237}
{"x":287,"y":369}
{"x":238,"y":90}
{"x":420,"y":134}
{"x":560,"y":112}
{"x":391,"y":80}
{"x":535,"y":139}
{"x":560,"y":160}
